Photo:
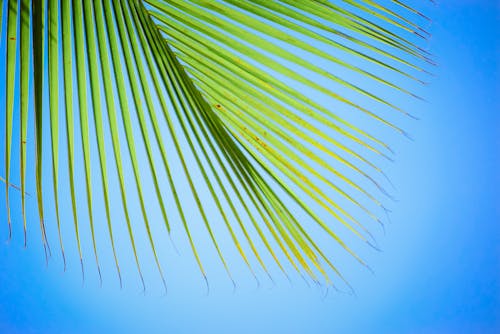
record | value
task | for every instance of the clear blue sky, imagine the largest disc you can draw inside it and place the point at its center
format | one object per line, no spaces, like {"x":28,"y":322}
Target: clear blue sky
{"x":439,"y":271}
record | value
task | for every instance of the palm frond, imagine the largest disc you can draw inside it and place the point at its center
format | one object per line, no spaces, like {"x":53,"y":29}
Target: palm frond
{"x":228,"y":83}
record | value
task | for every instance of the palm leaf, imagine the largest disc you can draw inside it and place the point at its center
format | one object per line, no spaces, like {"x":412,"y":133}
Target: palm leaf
{"x":231,"y":82}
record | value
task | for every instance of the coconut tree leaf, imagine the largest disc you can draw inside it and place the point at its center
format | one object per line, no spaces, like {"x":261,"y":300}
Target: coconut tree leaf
{"x":214,"y":105}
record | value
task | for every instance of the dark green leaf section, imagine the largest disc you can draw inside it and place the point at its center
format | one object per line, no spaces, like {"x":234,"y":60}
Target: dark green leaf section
{"x":213,"y":86}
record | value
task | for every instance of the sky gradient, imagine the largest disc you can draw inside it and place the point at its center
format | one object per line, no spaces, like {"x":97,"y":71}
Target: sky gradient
{"x":439,"y":269}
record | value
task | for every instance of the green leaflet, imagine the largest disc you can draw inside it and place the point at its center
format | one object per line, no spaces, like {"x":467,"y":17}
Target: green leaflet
{"x":24,"y":97}
{"x":54,"y":108}
{"x":38,"y":10}
{"x":218,"y":81}
{"x":83,"y":112}
{"x":11,"y":66}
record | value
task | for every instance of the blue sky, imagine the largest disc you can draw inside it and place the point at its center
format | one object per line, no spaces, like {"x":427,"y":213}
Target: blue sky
{"x":439,"y":271}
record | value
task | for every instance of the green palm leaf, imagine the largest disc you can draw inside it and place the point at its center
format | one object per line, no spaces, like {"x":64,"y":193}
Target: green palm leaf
{"x":222,"y":87}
